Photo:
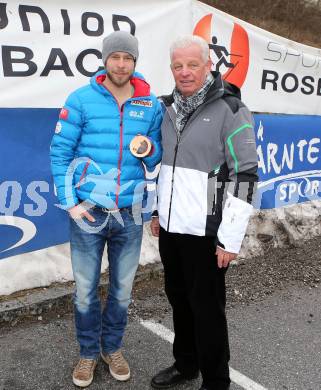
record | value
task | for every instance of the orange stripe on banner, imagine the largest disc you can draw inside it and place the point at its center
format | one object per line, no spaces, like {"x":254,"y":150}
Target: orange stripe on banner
{"x":204,"y":27}
{"x":240,"y":54}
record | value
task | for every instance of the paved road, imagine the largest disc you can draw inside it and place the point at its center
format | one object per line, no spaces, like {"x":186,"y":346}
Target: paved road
{"x":275,"y":343}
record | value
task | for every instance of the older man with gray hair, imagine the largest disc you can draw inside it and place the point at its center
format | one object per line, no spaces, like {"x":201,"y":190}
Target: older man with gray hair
{"x":205,"y":190}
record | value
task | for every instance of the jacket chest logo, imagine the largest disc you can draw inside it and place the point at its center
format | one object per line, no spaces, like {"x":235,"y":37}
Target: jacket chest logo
{"x":136,"y":114}
{"x":144,"y":103}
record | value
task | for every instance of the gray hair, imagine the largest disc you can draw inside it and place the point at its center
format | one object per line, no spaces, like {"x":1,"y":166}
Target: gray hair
{"x":188,"y":40}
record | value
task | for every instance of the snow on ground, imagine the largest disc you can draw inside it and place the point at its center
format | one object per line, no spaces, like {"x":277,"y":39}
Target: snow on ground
{"x":281,"y":227}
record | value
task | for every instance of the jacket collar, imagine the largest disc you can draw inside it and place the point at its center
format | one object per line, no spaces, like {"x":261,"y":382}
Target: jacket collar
{"x":141,"y":87}
{"x":219,"y":88}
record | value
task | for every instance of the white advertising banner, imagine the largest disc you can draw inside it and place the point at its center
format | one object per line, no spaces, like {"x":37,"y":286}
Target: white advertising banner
{"x":276,"y":75}
{"x":49,"y":48}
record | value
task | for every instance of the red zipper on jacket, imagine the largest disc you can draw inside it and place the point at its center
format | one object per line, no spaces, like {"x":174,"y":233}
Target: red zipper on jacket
{"x":121,"y":112}
{"x":82,"y":177}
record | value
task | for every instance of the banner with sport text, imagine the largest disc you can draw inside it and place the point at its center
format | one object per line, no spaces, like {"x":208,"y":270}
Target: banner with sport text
{"x":48,"y":49}
{"x":276,"y":75}
{"x":279,"y":77}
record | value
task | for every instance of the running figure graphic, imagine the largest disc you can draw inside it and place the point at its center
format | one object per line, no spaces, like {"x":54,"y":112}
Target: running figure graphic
{"x":221,"y":53}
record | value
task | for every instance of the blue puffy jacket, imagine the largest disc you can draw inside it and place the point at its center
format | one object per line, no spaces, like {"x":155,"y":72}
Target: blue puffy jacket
{"x":90,"y":156}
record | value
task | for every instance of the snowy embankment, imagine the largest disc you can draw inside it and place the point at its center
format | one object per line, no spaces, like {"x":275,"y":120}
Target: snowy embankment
{"x":46,"y":266}
{"x":268,"y":228}
{"x":281,"y":227}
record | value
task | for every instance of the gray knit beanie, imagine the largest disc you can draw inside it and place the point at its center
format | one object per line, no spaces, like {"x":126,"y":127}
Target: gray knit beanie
{"x":119,"y":41}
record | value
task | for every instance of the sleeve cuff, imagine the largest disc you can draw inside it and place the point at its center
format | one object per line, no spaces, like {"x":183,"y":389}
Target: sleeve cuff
{"x":234,"y":223}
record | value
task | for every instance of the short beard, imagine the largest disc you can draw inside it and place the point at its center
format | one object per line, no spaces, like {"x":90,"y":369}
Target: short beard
{"x":116,"y":82}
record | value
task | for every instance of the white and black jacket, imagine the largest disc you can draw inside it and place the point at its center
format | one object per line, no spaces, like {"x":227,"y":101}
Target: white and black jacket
{"x":209,"y":170}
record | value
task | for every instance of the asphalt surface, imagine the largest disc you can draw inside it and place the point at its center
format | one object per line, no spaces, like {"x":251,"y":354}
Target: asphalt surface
{"x":274,"y":316}
{"x":276,"y":342}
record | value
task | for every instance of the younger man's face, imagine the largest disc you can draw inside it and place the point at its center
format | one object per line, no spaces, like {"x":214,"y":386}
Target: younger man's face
{"x":120,"y":66}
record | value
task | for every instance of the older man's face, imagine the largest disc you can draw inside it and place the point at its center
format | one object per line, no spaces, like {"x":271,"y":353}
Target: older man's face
{"x":189,"y":69}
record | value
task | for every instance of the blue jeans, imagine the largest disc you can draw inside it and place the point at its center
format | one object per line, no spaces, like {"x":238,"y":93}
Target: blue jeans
{"x":97,"y":330}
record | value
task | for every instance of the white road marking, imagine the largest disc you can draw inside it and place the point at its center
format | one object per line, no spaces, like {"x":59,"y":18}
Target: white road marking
{"x":236,"y":377}
{"x":243,"y":381}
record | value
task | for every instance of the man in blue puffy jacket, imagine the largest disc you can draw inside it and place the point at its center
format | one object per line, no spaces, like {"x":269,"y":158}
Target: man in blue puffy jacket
{"x":102,"y":186}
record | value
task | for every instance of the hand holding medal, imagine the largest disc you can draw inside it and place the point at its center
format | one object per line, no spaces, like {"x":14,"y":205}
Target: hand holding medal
{"x":140,"y":146}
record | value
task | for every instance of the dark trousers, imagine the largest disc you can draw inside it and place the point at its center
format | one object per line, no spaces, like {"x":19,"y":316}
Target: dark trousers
{"x":195,"y":288}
